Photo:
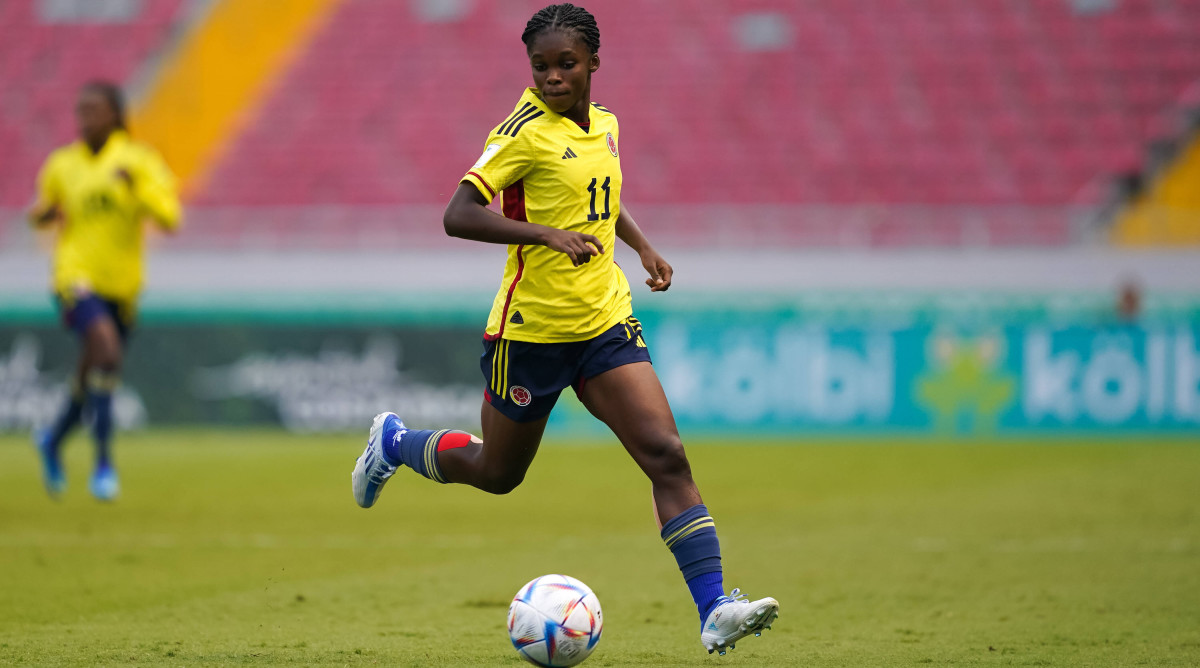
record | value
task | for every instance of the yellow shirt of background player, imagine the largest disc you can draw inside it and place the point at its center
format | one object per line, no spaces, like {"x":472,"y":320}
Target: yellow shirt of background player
{"x":553,"y":172}
{"x":99,"y":247}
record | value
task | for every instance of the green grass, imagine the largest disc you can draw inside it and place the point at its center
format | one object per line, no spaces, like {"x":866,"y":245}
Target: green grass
{"x":245,"y":548}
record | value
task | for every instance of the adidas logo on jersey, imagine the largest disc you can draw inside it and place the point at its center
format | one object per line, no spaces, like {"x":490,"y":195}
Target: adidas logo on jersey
{"x":569,"y":154}
{"x":516,"y":318}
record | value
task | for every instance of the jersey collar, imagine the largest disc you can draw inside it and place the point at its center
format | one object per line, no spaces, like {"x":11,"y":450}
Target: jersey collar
{"x":116,"y":139}
{"x":533,"y":95}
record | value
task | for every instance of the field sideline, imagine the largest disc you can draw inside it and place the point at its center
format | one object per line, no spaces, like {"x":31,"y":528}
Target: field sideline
{"x":245,"y":548}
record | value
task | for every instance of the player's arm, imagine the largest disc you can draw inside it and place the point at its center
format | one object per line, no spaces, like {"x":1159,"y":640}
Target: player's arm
{"x":46,"y":209}
{"x":629,"y":232}
{"x":467,"y":217}
{"x":154,"y":186}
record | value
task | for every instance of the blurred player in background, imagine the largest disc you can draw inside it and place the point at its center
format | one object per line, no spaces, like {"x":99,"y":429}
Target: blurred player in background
{"x":563,"y":317}
{"x":98,"y":191}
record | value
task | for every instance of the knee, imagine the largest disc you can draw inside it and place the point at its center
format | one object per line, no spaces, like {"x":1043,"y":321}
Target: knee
{"x":105,"y":350}
{"x":109,"y":360}
{"x":502,"y":481}
{"x":665,"y":458}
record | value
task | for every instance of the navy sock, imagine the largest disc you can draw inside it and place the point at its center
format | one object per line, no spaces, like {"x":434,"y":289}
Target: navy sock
{"x":692,"y":538}
{"x":68,"y":418}
{"x":100,"y":405}
{"x":417,"y":449}
{"x":707,"y":589}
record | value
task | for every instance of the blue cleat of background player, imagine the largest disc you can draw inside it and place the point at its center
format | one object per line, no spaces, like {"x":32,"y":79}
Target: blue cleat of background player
{"x":104,"y":484}
{"x":52,"y":471}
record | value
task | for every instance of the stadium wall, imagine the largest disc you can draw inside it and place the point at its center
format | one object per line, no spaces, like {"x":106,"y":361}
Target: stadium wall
{"x":820,"y":363}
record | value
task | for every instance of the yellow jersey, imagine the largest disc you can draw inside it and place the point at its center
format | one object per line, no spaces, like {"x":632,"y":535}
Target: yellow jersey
{"x":99,"y":248}
{"x":552,"y":172}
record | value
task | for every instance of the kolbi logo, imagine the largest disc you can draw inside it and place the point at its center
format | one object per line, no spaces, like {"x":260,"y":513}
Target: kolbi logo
{"x":1117,"y":377}
{"x":786,"y":374}
{"x":520,"y":395}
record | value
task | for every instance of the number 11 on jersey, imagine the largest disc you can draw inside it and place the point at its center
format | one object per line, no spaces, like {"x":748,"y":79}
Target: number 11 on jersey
{"x":592,"y":189}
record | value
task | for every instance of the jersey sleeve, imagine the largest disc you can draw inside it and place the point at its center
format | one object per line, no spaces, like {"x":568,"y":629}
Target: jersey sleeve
{"x":49,"y":186}
{"x":154,"y":187}
{"x":505,"y":161}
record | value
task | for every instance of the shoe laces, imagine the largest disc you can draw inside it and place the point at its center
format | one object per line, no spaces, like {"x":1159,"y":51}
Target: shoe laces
{"x":736,"y":596}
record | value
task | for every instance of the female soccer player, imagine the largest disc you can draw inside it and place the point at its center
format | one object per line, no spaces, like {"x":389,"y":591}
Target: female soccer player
{"x":563,"y":317}
{"x":98,"y":190}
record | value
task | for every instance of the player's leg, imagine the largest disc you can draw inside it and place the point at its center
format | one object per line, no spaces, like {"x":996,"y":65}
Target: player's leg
{"x":105,"y":351}
{"x":524,"y":381}
{"x":71,"y":413}
{"x":79,"y":312}
{"x":49,"y":440}
{"x":495,"y":464}
{"x":631,"y":401}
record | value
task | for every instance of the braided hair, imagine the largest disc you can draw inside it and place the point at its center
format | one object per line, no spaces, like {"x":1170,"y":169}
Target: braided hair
{"x":564,"y":17}
{"x":111,"y":94}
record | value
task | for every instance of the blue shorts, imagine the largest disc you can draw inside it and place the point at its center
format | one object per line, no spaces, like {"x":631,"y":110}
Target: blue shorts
{"x":525,"y":379}
{"x":80,"y":311}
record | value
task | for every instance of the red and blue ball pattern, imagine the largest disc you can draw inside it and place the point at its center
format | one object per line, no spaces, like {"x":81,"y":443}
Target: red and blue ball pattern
{"x":555,"y":621}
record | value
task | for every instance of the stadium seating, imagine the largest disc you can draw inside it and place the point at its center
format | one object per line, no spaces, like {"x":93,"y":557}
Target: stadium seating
{"x":43,"y":61}
{"x":933,"y":122}
{"x":939,"y":103}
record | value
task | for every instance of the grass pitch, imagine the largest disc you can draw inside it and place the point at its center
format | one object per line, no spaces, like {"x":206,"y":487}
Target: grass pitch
{"x":246,"y":548}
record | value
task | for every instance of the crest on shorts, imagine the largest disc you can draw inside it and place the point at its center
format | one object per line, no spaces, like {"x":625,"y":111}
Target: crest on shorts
{"x":612,"y":145}
{"x":520,"y":395}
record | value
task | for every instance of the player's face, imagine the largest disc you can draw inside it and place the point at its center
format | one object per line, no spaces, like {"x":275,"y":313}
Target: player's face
{"x":562,"y":70}
{"x":95,"y":116}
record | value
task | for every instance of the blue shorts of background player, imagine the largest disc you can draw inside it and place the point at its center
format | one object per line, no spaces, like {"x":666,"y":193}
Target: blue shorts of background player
{"x":80,"y":313}
{"x":525,"y":379}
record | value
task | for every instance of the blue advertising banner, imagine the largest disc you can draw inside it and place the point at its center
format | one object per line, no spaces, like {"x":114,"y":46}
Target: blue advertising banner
{"x":779,"y":373}
{"x":967,"y":365}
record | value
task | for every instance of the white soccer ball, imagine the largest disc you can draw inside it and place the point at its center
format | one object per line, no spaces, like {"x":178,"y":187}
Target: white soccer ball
{"x":555,"y":621}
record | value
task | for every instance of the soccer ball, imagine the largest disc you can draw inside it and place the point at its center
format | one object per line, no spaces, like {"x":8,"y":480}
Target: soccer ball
{"x":555,"y":621}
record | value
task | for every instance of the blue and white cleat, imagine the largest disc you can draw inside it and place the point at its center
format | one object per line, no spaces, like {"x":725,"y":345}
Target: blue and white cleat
{"x":372,"y":470}
{"x":104,"y":484}
{"x":52,"y":470}
{"x":735,"y":618}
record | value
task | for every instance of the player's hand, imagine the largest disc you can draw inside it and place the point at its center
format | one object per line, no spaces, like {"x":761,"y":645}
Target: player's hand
{"x":578,"y":246}
{"x":45,"y":216}
{"x":660,"y":272}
